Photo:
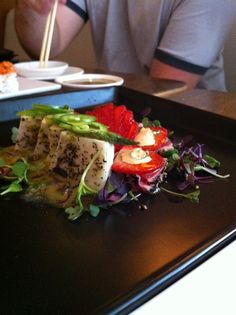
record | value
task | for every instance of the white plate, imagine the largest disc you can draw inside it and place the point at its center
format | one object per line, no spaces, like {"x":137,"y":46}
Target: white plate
{"x":89,"y":80}
{"x":31,"y":69}
{"x":27,"y":87}
{"x":68,"y":71}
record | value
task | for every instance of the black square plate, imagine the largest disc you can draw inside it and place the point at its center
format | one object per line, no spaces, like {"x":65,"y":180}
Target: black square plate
{"x":125,"y":256}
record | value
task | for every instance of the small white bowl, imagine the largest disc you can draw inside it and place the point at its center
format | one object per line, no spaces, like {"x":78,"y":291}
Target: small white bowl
{"x":31,"y":69}
{"x":89,"y":80}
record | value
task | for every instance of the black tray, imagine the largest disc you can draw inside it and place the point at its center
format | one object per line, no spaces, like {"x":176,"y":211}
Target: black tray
{"x":125,"y":256}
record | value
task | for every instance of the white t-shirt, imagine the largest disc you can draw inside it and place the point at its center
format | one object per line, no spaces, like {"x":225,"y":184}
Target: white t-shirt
{"x":187,"y":34}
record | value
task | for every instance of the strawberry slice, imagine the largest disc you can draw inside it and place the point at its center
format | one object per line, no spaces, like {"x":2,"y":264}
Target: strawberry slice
{"x":133,"y":130}
{"x":120,"y":166}
{"x":118,"y":116}
{"x":103,"y":113}
{"x":160,"y":135}
{"x":118,"y":119}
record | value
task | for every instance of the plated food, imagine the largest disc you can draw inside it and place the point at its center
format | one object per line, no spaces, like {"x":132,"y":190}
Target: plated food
{"x":8,"y":78}
{"x":85,"y":162}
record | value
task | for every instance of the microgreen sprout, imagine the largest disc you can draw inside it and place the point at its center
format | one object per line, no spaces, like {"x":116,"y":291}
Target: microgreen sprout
{"x":16,"y":174}
{"x":210,"y":171}
{"x":192,"y":196}
{"x":150,"y":123}
{"x":83,"y":190}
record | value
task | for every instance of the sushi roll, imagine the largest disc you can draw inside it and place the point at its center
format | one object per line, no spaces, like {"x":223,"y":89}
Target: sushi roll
{"x":8,"y":78}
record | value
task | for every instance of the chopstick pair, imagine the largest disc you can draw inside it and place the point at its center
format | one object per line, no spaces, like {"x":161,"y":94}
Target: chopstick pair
{"x":47,"y":38}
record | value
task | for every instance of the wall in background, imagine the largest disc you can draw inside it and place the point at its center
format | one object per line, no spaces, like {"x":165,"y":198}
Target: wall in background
{"x":5,"y":6}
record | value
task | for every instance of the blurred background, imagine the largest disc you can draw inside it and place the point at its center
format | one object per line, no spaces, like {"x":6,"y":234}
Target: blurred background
{"x":85,"y":57}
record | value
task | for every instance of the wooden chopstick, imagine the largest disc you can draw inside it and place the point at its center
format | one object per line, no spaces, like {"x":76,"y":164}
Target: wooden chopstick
{"x":44,"y":43}
{"x":47,"y":38}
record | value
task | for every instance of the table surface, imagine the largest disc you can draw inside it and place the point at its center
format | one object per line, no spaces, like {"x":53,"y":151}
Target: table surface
{"x":161,"y":88}
{"x":218,"y":102}
{"x":221,"y":103}
{"x":143,"y":83}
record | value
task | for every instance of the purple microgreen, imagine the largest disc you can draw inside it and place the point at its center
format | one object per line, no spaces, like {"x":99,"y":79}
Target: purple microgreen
{"x":115,"y":189}
{"x":210,"y":171}
{"x":183,"y":185}
{"x":117,"y":200}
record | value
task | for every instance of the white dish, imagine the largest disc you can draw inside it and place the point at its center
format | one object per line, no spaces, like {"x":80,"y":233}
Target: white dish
{"x":31,"y":69}
{"x":89,"y":80}
{"x":28,"y":87}
{"x":68,"y":71}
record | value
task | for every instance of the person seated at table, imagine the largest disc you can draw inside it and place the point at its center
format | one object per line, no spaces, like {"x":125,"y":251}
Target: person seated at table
{"x":168,"y":39}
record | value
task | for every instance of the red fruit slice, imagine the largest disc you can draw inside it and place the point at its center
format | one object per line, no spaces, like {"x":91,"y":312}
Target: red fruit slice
{"x":160,"y":136}
{"x":103,"y":113}
{"x":120,"y":166}
{"x":118,"y":119}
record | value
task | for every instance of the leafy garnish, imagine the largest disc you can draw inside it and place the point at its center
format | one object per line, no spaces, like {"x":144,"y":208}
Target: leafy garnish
{"x":192,"y":196}
{"x":190,"y":163}
{"x":16,"y":175}
{"x":115,"y":191}
{"x":172,"y":158}
{"x":82,"y":190}
{"x":14,"y":186}
{"x":94,"y":210}
{"x":19,"y":169}
{"x":212,"y":162}
{"x":2,"y":162}
{"x":210,"y":171}
{"x":150,"y":123}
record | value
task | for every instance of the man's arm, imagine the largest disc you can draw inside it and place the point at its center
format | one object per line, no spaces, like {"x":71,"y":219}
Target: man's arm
{"x":30,"y":21}
{"x":160,"y":70}
{"x":193,"y":40}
